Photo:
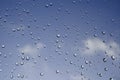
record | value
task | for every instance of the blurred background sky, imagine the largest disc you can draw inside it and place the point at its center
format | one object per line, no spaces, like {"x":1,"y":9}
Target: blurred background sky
{"x":59,"y":39}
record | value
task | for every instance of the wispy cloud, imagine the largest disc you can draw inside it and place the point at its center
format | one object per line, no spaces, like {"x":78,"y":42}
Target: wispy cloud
{"x":31,"y":49}
{"x":94,"y":45}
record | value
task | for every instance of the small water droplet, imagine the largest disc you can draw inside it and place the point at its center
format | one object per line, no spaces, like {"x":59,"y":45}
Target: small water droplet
{"x":106,"y":69}
{"x":104,"y":59}
{"x":103,"y":32}
{"x":16,"y":64}
{"x":41,"y":74}
{"x":82,"y":66}
{"x":99,"y":74}
{"x":51,"y":4}
{"x":0,"y":53}
{"x":71,"y":62}
{"x":0,"y":70}
{"x":46,"y":5}
{"x":75,"y":55}
{"x":111,"y":79}
{"x":17,"y":45}
{"x":27,"y":58}
{"x":11,"y":76}
{"x":18,"y":75}
{"x":18,"y":29}
{"x":113,"y":57}
{"x":22,"y":76}
{"x":59,"y":46}
{"x":22,"y":57}
{"x":58,"y":35}
{"x":46,"y":58}
{"x":65,"y":59}
{"x":21,"y":63}
{"x":3,"y":46}
{"x":86,"y":62}
{"x":57,"y":71}
{"x":13,"y":30}
{"x":73,"y":2}
{"x":95,"y":35}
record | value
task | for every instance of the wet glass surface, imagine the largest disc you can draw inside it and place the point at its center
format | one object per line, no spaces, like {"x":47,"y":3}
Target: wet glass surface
{"x":59,"y":39}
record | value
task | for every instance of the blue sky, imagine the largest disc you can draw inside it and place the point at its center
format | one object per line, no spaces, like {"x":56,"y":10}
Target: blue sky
{"x":59,"y":39}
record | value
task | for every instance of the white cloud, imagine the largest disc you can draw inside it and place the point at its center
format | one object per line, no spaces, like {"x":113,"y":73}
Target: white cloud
{"x":94,"y":45}
{"x":31,"y":49}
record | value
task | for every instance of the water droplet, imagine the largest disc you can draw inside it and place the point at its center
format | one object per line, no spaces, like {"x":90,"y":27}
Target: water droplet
{"x":0,"y":17}
{"x":18,"y":75}
{"x":13,"y":30}
{"x":57,"y":71}
{"x":27,"y":58}
{"x":86,"y":62}
{"x":46,"y":58}
{"x":0,"y":53}
{"x":5,"y":56}
{"x":82,"y":66}
{"x":16,"y":64}
{"x":22,"y":57}
{"x":57,"y":41}
{"x":104,"y":59}
{"x":21,"y":63}
{"x":95,"y":35}
{"x":22,"y":76}
{"x":17,"y":45}
{"x":39,"y":55}
{"x":111,"y":34}
{"x":113,"y":57}
{"x":75,"y":55}
{"x":59,"y":46}
{"x":11,"y":76}
{"x":73,"y":2}
{"x":41,"y":74}
{"x":58,"y":35}
{"x":18,"y":29}
{"x":0,"y":70}
{"x":99,"y":74}
{"x":103,"y":32}
{"x":3,"y":46}
{"x":65,"y":59}
{"x":71,"y":62}
{"x":112,"y":20}
{"x":106,"y":69}
{"x":51,"y":4}
{"x":111,"y":79}
{"x":46,"y":5}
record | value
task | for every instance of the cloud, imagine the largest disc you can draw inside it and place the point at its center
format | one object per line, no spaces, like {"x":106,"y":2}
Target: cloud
{"x":31,"y":49}
{"x":32,"y":71}
{"x":94,"y":45}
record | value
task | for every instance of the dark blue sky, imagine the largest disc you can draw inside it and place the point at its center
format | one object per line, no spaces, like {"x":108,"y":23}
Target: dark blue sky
{"x":60,"y":39}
